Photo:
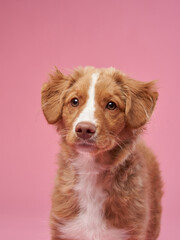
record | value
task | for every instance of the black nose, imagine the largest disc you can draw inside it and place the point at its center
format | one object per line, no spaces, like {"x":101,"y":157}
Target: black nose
{"x":85,"y":130}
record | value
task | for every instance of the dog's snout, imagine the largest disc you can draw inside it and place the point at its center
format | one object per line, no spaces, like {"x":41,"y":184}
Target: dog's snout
{"x":85,"y":130}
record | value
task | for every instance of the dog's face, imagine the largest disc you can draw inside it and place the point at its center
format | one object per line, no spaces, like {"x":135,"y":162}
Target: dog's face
{"x":95,"y":107}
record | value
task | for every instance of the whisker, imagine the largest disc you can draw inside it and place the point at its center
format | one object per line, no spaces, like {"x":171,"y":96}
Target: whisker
{"x":120,"y":142}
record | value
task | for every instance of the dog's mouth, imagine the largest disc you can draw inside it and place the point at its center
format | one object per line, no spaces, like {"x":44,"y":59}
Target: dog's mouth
{"x":94,"y":145}
{"x":86,"y":146}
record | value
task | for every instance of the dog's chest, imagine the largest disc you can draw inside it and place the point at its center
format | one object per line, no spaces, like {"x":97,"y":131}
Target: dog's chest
{"x":90,"y":223}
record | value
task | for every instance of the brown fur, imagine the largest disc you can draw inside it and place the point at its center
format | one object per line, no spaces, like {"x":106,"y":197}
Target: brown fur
{"x":131,"y":177}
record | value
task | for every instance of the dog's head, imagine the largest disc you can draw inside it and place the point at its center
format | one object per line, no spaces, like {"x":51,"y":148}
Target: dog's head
{"x":94,"y":108}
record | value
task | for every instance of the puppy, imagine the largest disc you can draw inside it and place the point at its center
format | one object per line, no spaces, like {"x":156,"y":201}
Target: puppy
{"x":108,"y":184}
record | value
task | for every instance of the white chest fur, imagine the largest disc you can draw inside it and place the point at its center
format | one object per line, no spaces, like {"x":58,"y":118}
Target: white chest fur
{"x":90,"y":224}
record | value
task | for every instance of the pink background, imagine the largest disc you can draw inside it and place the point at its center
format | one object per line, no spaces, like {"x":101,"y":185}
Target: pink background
{"x":139,"y":37}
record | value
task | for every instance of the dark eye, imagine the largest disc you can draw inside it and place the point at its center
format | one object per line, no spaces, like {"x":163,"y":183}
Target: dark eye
{"x":111,"y":105}
{"x":74,"y":102}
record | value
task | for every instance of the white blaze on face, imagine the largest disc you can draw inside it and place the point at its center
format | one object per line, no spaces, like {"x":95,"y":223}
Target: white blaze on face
{"x":87,"y":115}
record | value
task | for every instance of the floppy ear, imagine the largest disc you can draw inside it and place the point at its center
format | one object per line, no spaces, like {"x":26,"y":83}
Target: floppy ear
{"x":52,"y":95}
{"x":140,"y":102}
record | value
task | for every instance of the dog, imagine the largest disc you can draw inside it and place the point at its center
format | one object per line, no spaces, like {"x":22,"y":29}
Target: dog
{"x":108,"y":184}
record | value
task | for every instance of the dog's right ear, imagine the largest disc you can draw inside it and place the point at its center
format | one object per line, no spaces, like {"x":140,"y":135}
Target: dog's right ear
{"x":52,"y":96}
{"x":141,"y":99}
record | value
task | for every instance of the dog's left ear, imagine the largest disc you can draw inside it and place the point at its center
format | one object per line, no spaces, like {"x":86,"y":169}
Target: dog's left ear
{"x":52,"y":96}
{"x":140,"y":102}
